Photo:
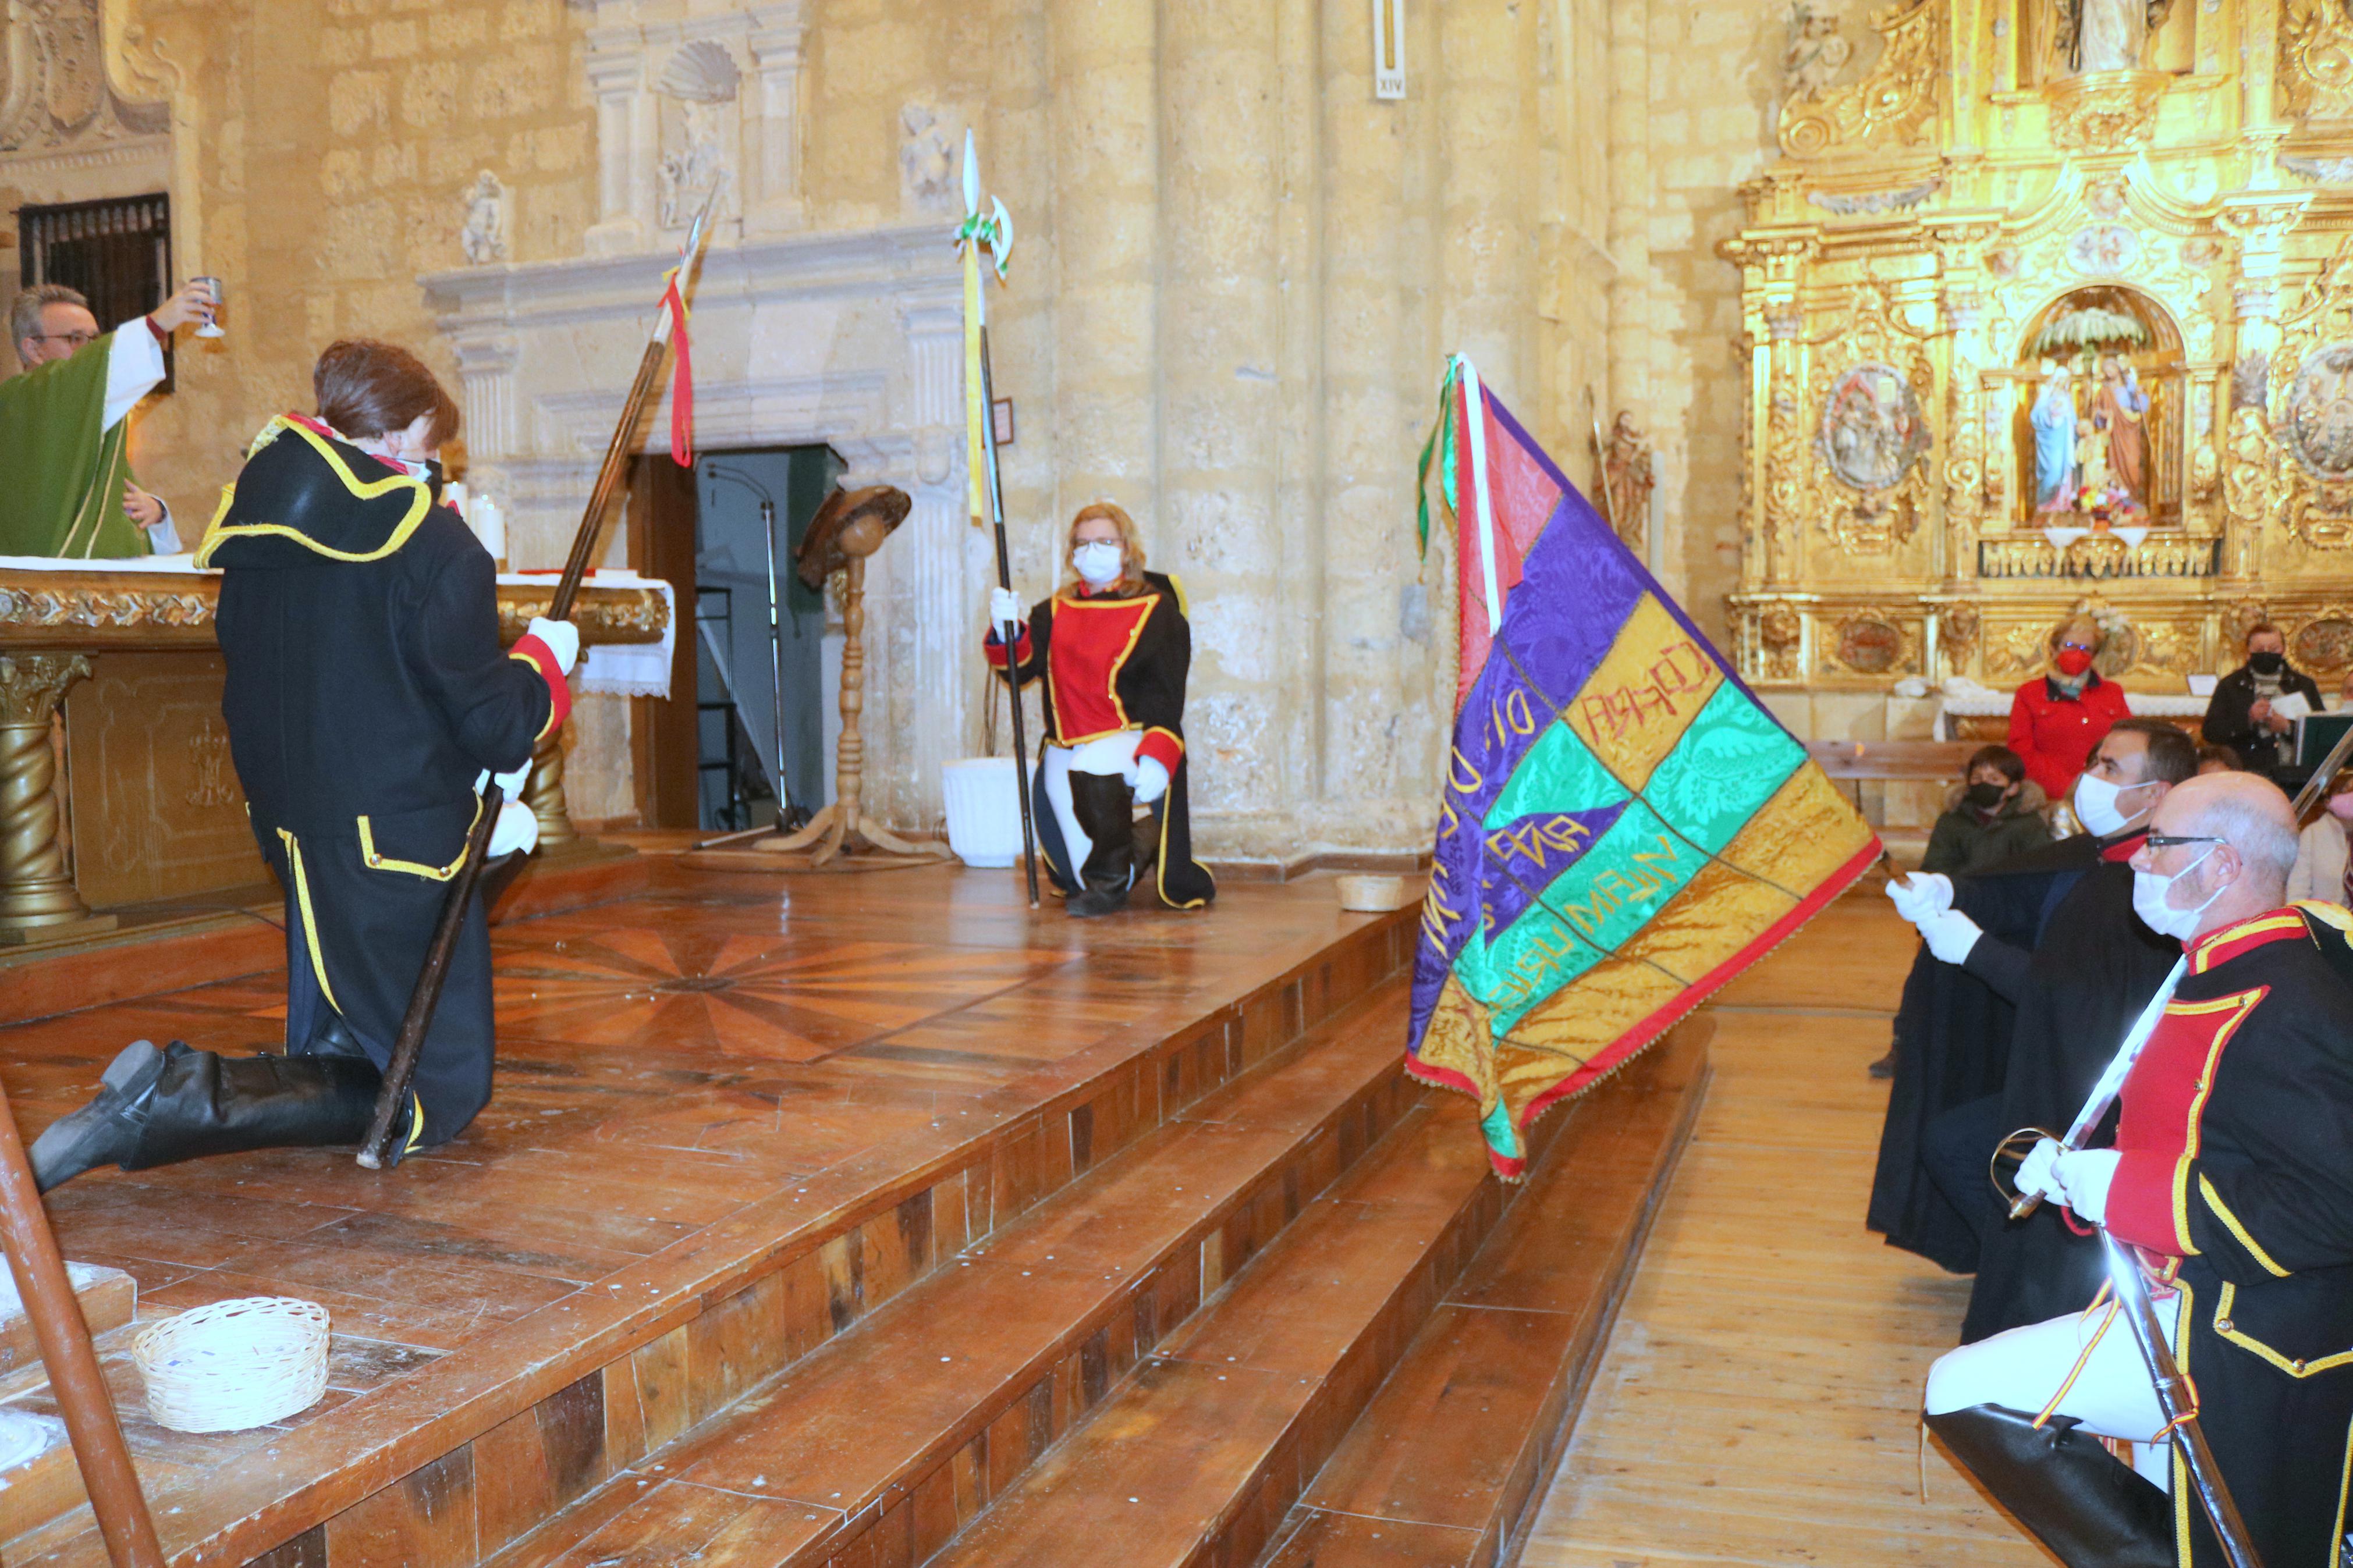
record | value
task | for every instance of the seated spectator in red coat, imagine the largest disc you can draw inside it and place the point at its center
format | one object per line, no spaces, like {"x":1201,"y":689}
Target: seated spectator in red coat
{"x":2057,"y":719}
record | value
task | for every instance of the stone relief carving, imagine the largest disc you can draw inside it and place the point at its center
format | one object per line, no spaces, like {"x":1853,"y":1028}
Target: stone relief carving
{"x":927,"y":172}
{"x":484,"y":237}
{"x":1888,"y":105}
{"x":53,"y":90}
{"x":699,"y":84}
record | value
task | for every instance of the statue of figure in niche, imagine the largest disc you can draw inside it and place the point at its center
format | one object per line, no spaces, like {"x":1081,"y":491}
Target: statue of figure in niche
{"x":2054,"y":441}
{"x":2117,"y":408}
{"x":1627,"y":480}
{"x":1815,"y":53}
{"x":2107,"y":35}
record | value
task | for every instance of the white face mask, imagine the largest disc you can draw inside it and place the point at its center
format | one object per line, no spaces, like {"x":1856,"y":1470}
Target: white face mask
{"x":2150,"y":896}
{"x":1099,"y":562}
{"x":2096,"y":808}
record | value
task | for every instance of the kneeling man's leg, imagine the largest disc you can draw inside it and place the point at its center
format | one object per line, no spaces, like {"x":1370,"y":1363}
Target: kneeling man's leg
{"x":2090,"y":1510}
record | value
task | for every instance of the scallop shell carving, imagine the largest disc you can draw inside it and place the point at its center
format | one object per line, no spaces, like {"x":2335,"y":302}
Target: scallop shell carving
{"x":702,"y":72}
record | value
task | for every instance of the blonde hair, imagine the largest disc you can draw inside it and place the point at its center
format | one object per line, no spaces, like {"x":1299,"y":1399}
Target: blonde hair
{"x":1131,"y":546}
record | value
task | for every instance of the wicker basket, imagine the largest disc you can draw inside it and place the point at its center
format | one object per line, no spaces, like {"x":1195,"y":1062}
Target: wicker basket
{"x":1372,"y":893}
{"x":233,"y":1365}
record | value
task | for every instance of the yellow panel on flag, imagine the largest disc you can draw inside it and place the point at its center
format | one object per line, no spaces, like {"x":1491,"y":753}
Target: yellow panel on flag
{"x":1643,"y":694}
{"x":1581,"y":1020}
{"x":1719,"y":912}
{"x":1804,"y":833}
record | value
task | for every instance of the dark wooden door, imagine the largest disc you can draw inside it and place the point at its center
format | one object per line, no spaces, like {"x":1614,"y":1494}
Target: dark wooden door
{"x":661,"y":730}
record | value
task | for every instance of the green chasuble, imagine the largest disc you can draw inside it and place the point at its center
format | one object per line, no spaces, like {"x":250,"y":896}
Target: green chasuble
{"x":64,"y":491}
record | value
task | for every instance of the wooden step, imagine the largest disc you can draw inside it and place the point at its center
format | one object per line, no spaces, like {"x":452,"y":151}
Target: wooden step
{"x":881,"y":1444}
{"x":1198,"y":1457}
{"x":1448,"y":1462}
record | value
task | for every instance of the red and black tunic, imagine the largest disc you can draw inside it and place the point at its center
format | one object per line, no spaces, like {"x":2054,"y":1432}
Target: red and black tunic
{"x":2236,"y":1132}
{"x":1116,"y":661}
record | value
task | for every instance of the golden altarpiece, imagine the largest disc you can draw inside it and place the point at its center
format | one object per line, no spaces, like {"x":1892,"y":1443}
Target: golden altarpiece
{"x":2048,"y":304}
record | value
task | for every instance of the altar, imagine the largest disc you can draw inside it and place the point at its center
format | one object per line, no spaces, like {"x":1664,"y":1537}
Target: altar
{"x":2047,"y":311}
{"x":116,"y":787}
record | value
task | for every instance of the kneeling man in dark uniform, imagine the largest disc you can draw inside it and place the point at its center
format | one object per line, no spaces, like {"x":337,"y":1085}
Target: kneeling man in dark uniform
{"x":368,"y":700}
{"x":2232,"y":1177}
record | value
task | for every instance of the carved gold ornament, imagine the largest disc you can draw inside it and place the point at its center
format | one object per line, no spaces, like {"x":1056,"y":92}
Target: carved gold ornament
{"x":1888,"y":106}
{"x":2105,"y":111}
{"x":1871,"y":385}
{"x":2316,"y":43}
{"x":1871,"y":641}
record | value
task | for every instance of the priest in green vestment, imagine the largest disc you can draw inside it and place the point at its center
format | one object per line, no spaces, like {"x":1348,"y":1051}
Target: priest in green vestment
{"x":62,"y":426}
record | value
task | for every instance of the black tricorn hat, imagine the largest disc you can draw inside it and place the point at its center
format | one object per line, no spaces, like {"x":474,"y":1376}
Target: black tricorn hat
{"x":849,"y":522}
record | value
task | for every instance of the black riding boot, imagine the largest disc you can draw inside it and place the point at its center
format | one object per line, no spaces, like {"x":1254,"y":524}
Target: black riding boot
{"x":2091,"y":1509}
{"x":1104,"y":806}
{"x":160,"y":1107}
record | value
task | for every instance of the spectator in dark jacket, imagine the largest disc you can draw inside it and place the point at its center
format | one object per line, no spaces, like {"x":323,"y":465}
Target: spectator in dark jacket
{"x":1994,"y":813}
{"x":2239,"y":714}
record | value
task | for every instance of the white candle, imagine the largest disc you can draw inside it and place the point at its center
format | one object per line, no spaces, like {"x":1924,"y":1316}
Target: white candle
{"x":491,"y":528}
{"x":454,"y":494}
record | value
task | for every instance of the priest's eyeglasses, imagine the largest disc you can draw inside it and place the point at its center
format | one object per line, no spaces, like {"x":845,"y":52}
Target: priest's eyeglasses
{"x":79,"y":340}
{"x":2169,"y":840}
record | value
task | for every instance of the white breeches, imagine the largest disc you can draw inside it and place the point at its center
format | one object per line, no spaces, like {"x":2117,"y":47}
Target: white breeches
{"x":1108,"y":754}
{"x":2020,"y":1369}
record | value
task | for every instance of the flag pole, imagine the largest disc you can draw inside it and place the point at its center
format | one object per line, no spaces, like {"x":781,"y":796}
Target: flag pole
{"x":376,"y":1149}
{"x":993,"y":232}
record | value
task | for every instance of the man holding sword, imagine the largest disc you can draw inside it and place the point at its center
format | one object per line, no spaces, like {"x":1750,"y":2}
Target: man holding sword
{"x":2230,"y":1179}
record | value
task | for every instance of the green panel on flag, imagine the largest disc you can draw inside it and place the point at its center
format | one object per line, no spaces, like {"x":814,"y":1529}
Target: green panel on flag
{"x":1727,"y":764}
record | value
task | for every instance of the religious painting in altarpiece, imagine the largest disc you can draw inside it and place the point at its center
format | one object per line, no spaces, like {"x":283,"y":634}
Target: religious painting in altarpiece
{"x":2048,"y":307}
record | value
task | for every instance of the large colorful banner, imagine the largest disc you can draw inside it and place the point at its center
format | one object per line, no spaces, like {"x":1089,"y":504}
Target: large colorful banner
{"x":1623,"y":826}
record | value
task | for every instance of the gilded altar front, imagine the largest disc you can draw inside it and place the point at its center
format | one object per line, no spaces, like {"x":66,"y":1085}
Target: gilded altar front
{"x":2047,"y":305}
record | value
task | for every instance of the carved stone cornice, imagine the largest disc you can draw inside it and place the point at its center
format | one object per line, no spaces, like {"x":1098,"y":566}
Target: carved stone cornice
{"x":98,"y":609}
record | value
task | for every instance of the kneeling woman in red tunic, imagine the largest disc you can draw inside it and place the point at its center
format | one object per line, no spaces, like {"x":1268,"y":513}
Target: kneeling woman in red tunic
{"x":1112,"y":648}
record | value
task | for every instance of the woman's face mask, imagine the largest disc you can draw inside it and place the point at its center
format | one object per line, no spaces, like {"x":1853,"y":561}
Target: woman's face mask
{"x":1099,"y":562}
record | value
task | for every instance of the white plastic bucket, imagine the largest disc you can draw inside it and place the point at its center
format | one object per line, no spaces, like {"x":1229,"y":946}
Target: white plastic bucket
{"x":984,"y":804}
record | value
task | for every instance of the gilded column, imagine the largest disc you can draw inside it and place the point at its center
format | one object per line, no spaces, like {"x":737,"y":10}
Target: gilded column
{"x":2259,"y":221}
{"x":37,"y":888}
{"x":1963,"y":303}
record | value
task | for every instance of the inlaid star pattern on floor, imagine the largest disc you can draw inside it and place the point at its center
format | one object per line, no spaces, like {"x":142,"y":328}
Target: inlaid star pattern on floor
{"x":788,"y":999}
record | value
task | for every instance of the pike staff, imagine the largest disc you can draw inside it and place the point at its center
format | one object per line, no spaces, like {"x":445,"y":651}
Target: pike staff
{"x":992,"y":232}
{"x":376,"y":1147}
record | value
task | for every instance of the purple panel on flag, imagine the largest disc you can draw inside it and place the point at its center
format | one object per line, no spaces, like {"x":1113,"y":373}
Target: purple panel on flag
{"x":1578,"y":586}
{"x":1524,"y":856}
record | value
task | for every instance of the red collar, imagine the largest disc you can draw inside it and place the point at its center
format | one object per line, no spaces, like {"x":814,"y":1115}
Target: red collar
{"x":2219,"y":947}
{"x":2124,"y":848}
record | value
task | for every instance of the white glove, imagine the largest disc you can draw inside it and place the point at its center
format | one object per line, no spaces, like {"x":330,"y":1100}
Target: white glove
{"x":518,"y":829}
{"x":2035,"y":1177}
{"x":2083,"y":1177}
{"x":1004,"y":604}
{"x":510,"y":785}
{"x":1950,"y":935}
{"x":563,"y":640}
{"x":1151,"y":780}
{"x":1922,"y":894}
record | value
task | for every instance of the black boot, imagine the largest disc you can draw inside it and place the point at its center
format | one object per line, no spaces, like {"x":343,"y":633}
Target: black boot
{"x":158,"y":1107}
{"x":1104,"y":806}
{"x":2090,"y":1508}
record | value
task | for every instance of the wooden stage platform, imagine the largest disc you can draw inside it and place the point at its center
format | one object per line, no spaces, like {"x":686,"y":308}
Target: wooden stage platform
{"x":868,"y":1220}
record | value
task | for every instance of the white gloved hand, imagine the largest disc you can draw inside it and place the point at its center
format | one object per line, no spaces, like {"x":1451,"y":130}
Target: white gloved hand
{"x":1920,"y":895}
{"x":1151,"y":780}
{"x":510,"y":785}
{"x":517,"y":829}
{"x":2083,"y":1177}
{"x":1950,"y":935}
{"x":2035,"y":1177}
{"x":563,"y":640}
{"x":1004,"y":604}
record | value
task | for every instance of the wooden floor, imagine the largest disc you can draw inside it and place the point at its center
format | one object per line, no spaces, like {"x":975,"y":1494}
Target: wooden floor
{"x":1759,"y":1400}
{"x":697,"y":1078}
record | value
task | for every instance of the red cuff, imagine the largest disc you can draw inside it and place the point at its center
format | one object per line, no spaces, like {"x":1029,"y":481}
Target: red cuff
{"x":992,"y":647}
{"x":161,"y":335}
{"x":2140,"y":1203}
{"x":1163,"y":748}
{"x":542,"y":657}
